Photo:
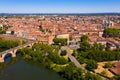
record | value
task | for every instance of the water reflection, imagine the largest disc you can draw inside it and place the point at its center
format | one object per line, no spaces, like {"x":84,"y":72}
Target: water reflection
{"x":8,"y":62}
{"x":17,"y":69}
{"x":7,"y":58}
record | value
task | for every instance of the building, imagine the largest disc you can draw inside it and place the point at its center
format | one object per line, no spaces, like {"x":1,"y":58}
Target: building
{"x":65,"y":36}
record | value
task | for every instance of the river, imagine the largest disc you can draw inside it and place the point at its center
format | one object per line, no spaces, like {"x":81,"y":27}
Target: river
{"x":21,"y":70}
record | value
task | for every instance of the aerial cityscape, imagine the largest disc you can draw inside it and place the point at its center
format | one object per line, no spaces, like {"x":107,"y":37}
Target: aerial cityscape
{"x":60,"y":40}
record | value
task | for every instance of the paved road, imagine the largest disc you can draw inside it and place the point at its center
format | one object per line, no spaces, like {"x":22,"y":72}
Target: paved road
{"x":73,"y":59}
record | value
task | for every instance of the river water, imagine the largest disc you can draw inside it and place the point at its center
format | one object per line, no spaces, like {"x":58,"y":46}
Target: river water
{"x":21,"y":70}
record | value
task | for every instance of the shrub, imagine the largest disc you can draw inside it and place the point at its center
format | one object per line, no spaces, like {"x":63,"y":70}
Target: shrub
{"x":63,"y":53}
{"x":91,"y":65}
{"x":108,"y":65}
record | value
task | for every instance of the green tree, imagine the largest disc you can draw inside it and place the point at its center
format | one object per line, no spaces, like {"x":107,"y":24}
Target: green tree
{"x":60,"y":41}
{"x":85,"y":46}
{"x":2,"y":31}
{"x":101,"y":55}
{"x":63,"y":53}
{"x":72,"y":73}
{"x":98,"y":47}
{"x":89,"y":76}
{"x":7,"y":44}
{"x":116,"y":77}
{"x":84,"y":38}
{"x":91,"y":65}
{"x":112,"y":32}
{"x":108,"y":65}
{"x":75,"y":53}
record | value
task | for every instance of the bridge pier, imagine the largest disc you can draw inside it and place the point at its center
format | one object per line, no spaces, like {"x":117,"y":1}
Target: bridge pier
{"x":13,"y":55}
{"x":1,"y":59}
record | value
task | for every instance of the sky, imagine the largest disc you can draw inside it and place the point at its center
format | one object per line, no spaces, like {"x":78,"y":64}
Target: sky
{"x":59,"y":6}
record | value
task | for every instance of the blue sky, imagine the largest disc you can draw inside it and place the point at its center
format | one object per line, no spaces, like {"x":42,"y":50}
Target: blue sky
{"x":59,"y":6}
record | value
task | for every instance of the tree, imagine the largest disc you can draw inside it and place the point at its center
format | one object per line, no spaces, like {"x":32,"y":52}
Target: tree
{"x":85,"y":46}
{"x":116,"y":77}
{"x":84,"y":38}
{"x":91,"y":65}
{"x":63,"y":53}
{"x":108,"y":65}
{"x":107,"y":48}
{"x":27,"y":57}
{"x":89,"y":76}
{"x":60,"y":41}
{"x":117,"y":56}
{"x":7,"y":44}
{"x":117,"y":50}
{"x":12,"y":32}
{"x":112,"y":32}
{"x":75,"y":53}
{"x":2,"y":31}
{"x":72,"y":73}
{"x":98,"y":47}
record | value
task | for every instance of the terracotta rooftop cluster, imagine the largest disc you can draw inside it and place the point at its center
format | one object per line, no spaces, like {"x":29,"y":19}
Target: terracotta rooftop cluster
{"x":28,"y":26}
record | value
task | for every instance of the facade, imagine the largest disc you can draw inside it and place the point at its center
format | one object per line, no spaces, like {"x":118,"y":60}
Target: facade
{"x":46,"y":39}
{"x":65,"y":36}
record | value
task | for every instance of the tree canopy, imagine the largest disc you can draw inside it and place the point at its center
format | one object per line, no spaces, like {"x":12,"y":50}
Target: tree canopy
{"x":112,"y":32}
{"x":84,"y":38}
{"x":48,"y":56}
{"x":60,"y":41}
{"x":91,"y":65}
{"x":7,"y":44}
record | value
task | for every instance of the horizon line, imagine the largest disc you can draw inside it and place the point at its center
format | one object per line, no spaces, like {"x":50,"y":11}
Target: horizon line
{"x":58,"y":13}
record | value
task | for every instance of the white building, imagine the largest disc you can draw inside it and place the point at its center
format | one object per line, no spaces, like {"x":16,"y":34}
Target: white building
{"x":65,"y":36}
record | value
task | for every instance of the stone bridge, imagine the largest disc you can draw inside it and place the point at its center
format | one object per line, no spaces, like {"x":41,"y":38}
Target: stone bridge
{"x":14,"y":50}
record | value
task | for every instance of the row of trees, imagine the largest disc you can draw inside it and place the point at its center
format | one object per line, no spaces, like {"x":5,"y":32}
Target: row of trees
{"x":85,"y":47}
{"x":7,"y":44}
{"x":101,"y":56}
{"x":43,"y":53}
{"x":112,"y":32}
{"x":97,"y":52}
{"x":93,"y":53}
{"x":70,"y":72}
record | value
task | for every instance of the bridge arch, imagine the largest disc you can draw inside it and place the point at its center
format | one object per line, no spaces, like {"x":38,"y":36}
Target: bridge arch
{"x":13,"y":51}
{"x":3,"y":56}
{"x":8,"y":55}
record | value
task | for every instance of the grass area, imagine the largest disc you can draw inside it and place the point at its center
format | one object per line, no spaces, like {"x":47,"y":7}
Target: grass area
{"x":102,"y":70}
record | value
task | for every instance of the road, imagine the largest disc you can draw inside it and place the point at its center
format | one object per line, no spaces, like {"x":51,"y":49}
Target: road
{"x":74,"y":60}
{"x":77,"y":64}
